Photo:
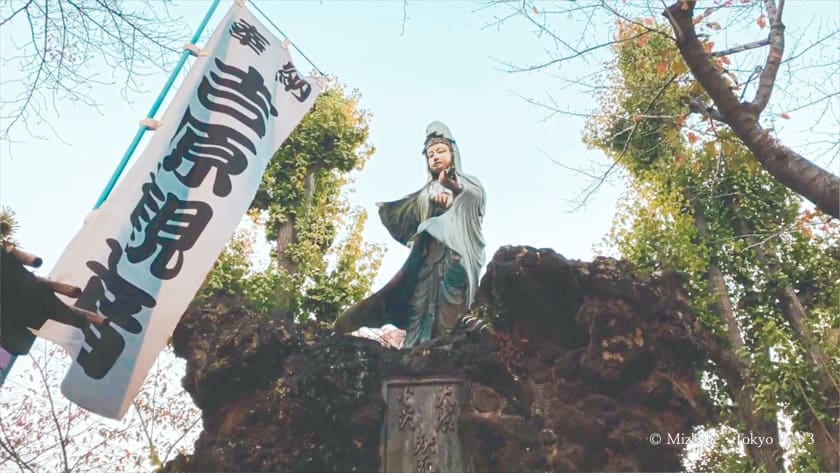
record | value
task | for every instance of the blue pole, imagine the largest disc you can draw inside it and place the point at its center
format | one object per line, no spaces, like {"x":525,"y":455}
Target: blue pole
{"x":6,"y":365}
{"x":155,"y":106}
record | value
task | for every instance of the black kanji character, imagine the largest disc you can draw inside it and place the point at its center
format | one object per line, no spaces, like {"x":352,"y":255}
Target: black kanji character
{"x":105,"y":348}
{"x":173,"y":225}
{"x":246,"y":89}
{"x":288,"y":76}
{"x":248,"y":35}
{"x":126,"y":300}
{"x":208,"y":146}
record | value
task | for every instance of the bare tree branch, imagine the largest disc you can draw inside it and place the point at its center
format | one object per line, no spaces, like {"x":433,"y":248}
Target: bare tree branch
{"x":15,"y":13}
{"x":776,"y":40}
{"x":741,"y":48}
{"x":404,"y":18}
{"x":788,"y":167}
{"x":68,"y":41}
{"x":576,"y":54}
{"x":61,"y":440}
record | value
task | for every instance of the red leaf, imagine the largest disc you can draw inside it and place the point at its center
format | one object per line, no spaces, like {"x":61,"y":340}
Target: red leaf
{"x":648,"y":21}
{"x":761,"y":22}
{"x":785,"y":116}
{"x":692,"y":138}
{"x":536,"y":11}
{"x":662,"y":68}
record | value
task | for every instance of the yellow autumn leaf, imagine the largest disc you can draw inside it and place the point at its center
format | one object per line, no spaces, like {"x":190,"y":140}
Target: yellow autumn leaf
{"x":696,"y":88}
{"x":728,"y":148}
{"x":679,"y":67}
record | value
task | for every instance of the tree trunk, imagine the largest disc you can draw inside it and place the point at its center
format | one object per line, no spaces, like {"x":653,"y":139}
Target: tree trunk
{"x":735,"y":371}
{"x":286,"y":234}
{"x":826,"y":441}
{"x":723,"y":304}
{"x":285,"y":237}
{"x":788,"y":167}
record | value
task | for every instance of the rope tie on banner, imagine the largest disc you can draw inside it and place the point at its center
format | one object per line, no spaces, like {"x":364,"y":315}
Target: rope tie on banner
{"x":194,"y":50}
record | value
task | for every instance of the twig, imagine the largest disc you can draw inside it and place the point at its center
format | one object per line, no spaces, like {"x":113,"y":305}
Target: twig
{"x":404,"y":18}
{"x":630,"y":20}
{"x":577,"y":54}
{"x":741,"y":48}
{"x":6,"y":20}
{"x":62,"y":442}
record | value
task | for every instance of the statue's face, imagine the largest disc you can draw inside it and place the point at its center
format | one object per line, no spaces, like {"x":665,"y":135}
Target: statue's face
{"x":439,"y":157}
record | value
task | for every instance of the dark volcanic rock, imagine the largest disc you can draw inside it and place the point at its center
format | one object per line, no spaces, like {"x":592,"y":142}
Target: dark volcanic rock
{"x":586,"y":362}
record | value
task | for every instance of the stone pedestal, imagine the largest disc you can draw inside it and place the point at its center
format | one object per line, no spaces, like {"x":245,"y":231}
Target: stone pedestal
{"x":421,"y":426}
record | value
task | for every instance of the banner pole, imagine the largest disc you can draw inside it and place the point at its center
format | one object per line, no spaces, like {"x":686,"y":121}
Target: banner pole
{"x":155,"y":106}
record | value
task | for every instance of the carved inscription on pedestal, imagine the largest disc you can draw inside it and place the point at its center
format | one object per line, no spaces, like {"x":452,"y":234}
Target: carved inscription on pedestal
{"x":421,"y":431}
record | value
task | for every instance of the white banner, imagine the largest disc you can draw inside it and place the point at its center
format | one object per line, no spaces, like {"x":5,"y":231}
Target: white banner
{"x":141,"y":258}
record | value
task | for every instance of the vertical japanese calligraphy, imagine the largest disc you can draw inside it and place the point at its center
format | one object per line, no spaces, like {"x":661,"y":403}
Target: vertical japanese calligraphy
{"x":445,"y":404}
{"x":421,"y":426}
{"x":408,"y":417}
{"x":164,"y":226}
{"x":142,"y":256}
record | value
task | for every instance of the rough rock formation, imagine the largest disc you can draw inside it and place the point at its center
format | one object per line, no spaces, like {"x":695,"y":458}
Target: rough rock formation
{"x":586,"y":362}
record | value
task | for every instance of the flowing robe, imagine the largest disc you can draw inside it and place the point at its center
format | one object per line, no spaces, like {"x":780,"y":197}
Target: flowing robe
{"x":437,"y":283}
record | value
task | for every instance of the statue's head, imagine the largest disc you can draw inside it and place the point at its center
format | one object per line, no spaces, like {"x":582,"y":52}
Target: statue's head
{"x":439,"y":149}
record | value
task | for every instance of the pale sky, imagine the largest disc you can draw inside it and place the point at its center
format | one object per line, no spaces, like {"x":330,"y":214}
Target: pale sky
{"x":444,"y":66}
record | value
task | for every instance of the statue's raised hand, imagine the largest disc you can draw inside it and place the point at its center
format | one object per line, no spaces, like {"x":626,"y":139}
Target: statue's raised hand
{"x":449,"y":179}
